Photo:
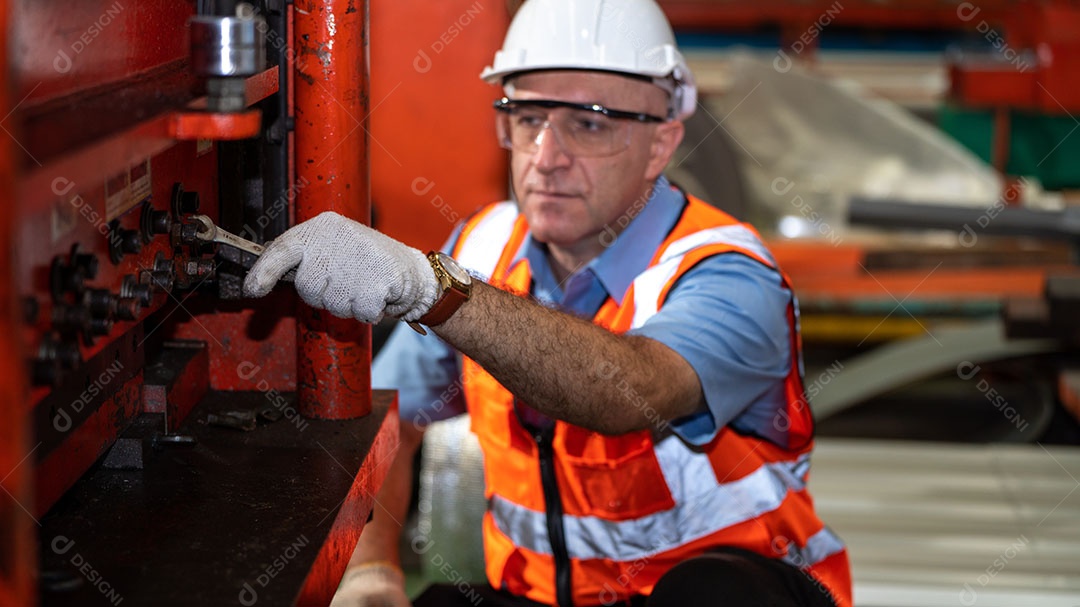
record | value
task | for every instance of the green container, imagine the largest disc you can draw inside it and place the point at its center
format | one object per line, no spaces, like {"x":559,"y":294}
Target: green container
{"x":1042,"y":146}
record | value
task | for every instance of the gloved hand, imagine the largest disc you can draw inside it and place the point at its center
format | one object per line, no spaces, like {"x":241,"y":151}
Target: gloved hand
{"x":348,"y":269}
{"x":372,"y":585}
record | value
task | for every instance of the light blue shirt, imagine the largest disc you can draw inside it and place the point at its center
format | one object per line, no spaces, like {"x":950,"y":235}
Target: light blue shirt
{"x":727,"y":316}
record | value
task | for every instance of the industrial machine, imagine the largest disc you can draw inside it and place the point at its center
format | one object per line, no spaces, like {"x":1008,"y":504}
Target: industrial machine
{"x":162,"y":440}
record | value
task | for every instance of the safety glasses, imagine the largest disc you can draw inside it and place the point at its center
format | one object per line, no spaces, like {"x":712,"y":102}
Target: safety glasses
{"x":585,"y":130}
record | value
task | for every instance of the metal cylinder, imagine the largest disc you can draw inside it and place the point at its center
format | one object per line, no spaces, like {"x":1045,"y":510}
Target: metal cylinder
{"x":994,"y":219}
{"x":226,"y":47}
{"x":331,"y":105}
{"x":226,"y":50}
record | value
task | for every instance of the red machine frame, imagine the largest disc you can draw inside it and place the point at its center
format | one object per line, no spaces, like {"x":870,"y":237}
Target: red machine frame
{"x":87,"y":116}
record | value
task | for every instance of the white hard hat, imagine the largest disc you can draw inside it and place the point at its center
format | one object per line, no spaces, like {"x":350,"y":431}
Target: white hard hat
{"x":623,"y":36}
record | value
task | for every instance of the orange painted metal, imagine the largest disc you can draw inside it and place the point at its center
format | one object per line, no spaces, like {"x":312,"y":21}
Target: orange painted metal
{"x":250,"y":349}
{"x":924,"y":284}
{"x":208,"y":125}
{"x":839,"y":275}
{"x":116,"y":152}
{"x":329,"y":565}
{"x":1050,"y":29}
{"x":105,"y":105}
{"x":920,"y":14}
{"x":18,"y":548}
{"x":59,"y":48}
{"x":260,"y":86}
{"x":200,"y":124}
{"x":1041,"y":81}
{"x":434,"y":156}
{"x":991,"y":85}
{"x":82,"y":220}
{"x":331,"y":106}
{"x":63,"y":467}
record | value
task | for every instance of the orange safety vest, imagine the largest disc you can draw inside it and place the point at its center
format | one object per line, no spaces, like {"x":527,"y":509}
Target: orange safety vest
{"x":625,"y":509}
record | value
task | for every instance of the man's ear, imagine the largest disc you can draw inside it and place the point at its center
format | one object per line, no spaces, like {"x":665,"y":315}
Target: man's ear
{"x":665,"y":140}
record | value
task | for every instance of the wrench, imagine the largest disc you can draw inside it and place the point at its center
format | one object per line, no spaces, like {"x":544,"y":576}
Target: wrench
{"x":208,"y":231}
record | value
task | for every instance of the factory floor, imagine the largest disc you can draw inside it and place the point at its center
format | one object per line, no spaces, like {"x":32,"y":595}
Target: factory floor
{"x":950,"y":524}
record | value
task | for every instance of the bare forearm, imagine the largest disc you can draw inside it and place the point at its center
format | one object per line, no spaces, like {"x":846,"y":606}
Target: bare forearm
{"x":571,"y":369}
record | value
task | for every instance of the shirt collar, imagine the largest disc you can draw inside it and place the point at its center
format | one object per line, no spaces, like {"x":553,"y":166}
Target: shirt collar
{"x":630,"y":253}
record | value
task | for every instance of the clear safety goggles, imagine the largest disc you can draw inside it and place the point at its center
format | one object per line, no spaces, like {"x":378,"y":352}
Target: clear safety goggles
{"x":584,"y":130}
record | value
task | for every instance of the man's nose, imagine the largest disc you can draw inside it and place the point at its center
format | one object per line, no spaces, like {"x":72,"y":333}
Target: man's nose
{"x":550,"y":153}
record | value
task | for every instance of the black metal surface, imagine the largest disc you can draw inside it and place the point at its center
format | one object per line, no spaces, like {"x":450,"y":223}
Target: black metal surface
{"x":205,"y":523}
{"x":253,"y":184}
{"x":134,"y":447}
{"x":279,"y":195}
{"x":169,"y":361}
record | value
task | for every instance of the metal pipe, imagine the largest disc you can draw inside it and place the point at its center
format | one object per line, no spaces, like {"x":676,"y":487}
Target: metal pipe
{"x":331,"y":104}
{"x":995,"y":219}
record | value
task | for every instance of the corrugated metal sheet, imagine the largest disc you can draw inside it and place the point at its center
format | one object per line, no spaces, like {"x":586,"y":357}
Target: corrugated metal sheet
{"x":939,"y":524}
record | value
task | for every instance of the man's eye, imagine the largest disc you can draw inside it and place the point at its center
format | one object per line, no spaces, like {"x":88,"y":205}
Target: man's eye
{"x":529,"y":120}
{"x":588,"y":124}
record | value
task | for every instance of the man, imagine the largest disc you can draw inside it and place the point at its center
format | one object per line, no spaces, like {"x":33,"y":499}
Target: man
{"x":631,"y":357}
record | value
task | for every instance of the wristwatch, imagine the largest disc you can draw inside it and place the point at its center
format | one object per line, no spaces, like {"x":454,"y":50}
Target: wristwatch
{"x":455,"y":285}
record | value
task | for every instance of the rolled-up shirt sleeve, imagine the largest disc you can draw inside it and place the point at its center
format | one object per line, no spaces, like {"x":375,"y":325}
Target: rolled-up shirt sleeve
{"x":425,"y":371}
{"x":727,"y":317}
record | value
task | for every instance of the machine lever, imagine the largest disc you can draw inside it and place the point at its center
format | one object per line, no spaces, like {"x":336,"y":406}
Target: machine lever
{"x":208,"y":231}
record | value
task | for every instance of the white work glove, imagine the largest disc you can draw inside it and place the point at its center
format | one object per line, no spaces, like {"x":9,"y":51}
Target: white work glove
{"x":372,"y":585}
{"x":348,"y":269}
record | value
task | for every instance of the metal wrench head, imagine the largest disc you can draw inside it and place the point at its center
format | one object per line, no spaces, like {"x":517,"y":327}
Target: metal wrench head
{"x":207,"y":228}
{"x":209,"y":232}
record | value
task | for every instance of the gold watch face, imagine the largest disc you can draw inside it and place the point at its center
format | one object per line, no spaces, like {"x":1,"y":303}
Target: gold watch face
{"x":454,"y":269}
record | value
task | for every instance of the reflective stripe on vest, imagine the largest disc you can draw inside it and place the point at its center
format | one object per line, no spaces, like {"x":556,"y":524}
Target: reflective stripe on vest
{"x":651,"y":282}
{"x":819,"y":547}
{"x":486,"y":237}
{"x":705,"y":510}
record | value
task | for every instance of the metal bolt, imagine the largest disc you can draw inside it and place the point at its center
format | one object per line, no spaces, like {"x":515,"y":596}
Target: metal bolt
{"x":154,"y":222}
{"x":184,"y":203}
{"x":130,"y":241}
{"x":70,"y":318}
{"x":161,"y":264}
{"x":130,"y":288}
{"x":154,"y":280}
{"x":101,"y":302}
{"x":85,"y":263}
{"x":128,"y":308}
{"x":100,"y":326}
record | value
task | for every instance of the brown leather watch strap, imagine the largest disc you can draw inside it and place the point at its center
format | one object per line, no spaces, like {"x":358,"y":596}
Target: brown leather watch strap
{"x":444,"y":308}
